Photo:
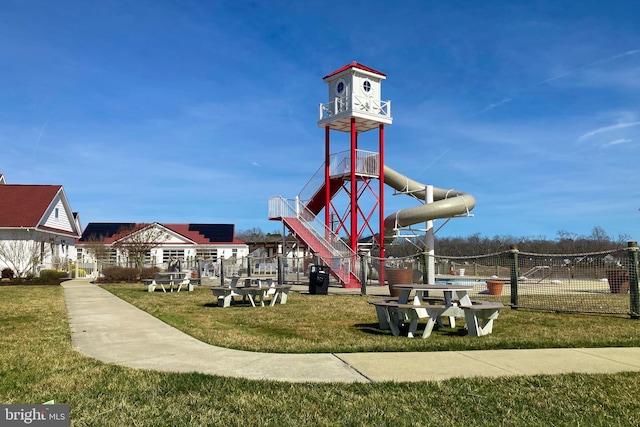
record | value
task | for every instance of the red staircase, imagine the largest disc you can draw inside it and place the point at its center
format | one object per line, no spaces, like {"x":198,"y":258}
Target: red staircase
{"x":316,"y":203}
{"x":329,"y":248}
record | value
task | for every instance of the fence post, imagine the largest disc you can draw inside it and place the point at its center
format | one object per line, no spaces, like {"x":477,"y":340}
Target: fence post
{"x":633,"y":280}
{"x":249,"y":265}
{"x":363,"y":273}
{"x":425,"y":267}
{"x":221,"y":271}
{"x":280,"y":270}
{"x":514,"y":276}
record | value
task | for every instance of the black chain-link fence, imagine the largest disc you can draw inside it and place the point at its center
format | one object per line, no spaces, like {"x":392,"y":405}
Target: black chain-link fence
{"x":598,"y":282}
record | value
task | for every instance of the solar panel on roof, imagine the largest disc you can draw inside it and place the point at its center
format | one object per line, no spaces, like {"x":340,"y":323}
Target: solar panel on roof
{"x":214,"y":232}
{"x":102,"y":230}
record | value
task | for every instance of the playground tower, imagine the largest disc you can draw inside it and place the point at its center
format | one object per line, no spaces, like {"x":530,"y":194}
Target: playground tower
{"x":355,"y":106}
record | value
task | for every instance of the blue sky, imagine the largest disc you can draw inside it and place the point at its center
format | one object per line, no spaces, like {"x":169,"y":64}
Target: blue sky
{"x":198,"y":111}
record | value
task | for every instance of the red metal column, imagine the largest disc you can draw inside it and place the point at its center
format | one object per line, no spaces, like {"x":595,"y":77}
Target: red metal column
{"x":381,"y":201}
{"x":354,"y":187}
{"x":327,"y":171}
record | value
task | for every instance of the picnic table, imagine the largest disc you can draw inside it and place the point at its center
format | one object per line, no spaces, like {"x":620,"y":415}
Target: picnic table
{"x":172,"y":279}
{"x":259,"y":293}
{"x":455,"y":303}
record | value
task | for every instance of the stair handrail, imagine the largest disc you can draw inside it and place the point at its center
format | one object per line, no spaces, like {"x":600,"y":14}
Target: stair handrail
{"x":312,"y":186}
{"x":279,"y":207}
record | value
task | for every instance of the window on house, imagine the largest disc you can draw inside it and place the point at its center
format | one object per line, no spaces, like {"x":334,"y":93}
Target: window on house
{"x":112,"y":257}
{"x":148,"y":259}
{"x":207,"y":254}
{"x":176,"y":253}
{"x":56,"y":212}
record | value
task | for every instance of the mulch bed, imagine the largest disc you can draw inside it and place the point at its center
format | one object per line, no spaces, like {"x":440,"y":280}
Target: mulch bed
{"x":55,"y":282}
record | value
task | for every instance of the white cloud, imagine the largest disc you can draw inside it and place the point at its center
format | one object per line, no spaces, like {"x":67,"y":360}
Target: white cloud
{"x":592,"y":64}
{"x":495,"y":105}
{"x":616,"y":142}
{"x":607,"y":129}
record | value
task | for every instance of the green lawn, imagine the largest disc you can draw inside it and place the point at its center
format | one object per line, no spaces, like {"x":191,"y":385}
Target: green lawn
{"x":347,"y":323}
{"x":38,"y":363}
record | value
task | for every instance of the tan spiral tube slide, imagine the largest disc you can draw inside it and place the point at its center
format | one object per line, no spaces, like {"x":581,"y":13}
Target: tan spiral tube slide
{"x":446,"y":203}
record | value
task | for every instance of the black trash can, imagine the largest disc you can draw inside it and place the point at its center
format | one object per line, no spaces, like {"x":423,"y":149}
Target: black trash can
{"x":319,"y":280}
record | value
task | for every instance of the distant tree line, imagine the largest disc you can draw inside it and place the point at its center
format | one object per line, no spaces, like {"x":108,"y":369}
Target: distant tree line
{"x":476,"y":244}
{"x":257,"y":235}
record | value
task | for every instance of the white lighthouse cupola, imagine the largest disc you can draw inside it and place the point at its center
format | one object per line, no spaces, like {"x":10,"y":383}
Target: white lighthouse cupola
{"x":354,"y":92}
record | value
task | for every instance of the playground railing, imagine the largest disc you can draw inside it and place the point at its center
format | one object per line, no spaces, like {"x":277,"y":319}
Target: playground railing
{"x":341,"y":254}
{"x":367,"y":164}
{"x":359,"y":103}
{"x":312,"y":186}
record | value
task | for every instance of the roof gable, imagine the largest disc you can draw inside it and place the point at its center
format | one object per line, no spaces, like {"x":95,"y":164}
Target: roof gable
{"x":148,"y":233}
{"x":42,"y":207}
{"x":25,"y":205}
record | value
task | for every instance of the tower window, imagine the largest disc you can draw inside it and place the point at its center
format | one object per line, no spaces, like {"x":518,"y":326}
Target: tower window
{"x":366,"y":85}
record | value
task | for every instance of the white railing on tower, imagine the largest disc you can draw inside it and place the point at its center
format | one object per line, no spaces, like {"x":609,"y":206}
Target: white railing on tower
{"x":357,"y":103}
{"x":367,"y":163}
{"x":372,"y":106}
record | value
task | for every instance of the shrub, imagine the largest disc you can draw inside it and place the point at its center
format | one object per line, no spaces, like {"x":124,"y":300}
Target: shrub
{"x":149,"y":273}
{"x":120,"y":274}
{"x":7,"y":273}
{"x":51,"y":275}
{"x":81,"y":272}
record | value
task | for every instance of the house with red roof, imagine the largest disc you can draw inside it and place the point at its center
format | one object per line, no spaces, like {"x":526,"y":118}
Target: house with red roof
{"x":38,"y":229}
{"x":160,"y":244}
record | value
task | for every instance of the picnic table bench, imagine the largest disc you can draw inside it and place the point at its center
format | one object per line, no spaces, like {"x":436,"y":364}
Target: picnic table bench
{"x":173,"y":278}
{"x":479,"y":315}
{"x":392,"y":315}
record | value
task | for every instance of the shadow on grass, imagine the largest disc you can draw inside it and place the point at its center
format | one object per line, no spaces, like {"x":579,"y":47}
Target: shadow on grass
{"x":233,"y":304}
{"x":370,"y":328}
{"x":374,"y":329}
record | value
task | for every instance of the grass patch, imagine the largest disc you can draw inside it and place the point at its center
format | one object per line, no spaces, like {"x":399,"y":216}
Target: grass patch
{"x":38,"y":363}
{"x":347,"y":323}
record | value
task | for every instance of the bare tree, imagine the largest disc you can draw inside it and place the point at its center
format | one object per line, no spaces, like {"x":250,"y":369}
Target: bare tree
{"x":134,"y":243}
{"x":96,"y":247}
{"x":21,"y":255}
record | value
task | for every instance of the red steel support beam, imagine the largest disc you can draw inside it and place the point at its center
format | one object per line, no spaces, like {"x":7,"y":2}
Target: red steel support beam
{"x":354,"y":187}
{"x":327,"y":189}
{"x":381,"y":201}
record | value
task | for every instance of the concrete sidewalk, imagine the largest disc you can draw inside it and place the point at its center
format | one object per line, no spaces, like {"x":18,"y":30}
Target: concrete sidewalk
{"x":113,"y":331}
